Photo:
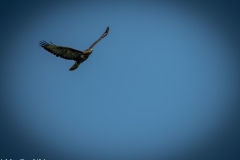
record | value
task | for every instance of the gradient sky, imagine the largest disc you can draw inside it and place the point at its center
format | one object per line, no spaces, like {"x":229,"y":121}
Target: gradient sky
{"x":162,"y":84}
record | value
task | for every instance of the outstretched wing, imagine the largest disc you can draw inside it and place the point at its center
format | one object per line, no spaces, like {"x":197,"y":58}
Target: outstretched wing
{"x":104,"y":35}
{"x":59,"y":51}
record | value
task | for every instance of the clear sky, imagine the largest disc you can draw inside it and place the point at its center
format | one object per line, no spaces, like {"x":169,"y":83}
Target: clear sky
{"x":159,"y":85}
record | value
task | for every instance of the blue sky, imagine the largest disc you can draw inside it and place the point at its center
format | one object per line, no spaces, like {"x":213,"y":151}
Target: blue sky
{"x":159,"y":84}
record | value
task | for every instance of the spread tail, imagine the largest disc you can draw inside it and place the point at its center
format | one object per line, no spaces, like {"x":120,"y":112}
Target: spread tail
{"x":75,"y":66}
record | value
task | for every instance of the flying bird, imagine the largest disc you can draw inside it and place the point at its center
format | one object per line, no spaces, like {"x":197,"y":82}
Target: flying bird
{"x":70,"y":53}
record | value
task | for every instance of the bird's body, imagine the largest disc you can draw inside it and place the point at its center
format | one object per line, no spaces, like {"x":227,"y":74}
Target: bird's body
{"x":70,"y":53}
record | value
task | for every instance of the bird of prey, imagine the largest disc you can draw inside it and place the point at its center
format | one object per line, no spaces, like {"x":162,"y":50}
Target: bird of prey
{"x":70,"y":53}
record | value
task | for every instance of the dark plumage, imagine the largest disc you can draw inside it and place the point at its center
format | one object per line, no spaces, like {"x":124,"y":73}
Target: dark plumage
{"x":70,"y":53}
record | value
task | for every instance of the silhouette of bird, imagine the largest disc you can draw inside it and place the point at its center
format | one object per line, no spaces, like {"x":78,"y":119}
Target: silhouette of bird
{"x":70,"y":53}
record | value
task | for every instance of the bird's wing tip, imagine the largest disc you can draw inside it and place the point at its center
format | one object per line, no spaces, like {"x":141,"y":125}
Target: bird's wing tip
{"x":44,"y":43}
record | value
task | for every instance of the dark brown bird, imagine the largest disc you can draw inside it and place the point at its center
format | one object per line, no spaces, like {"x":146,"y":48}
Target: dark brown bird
{"x":70,"y":53}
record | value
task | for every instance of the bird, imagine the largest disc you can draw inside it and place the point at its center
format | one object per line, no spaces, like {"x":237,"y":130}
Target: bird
{"x":70,"y":53}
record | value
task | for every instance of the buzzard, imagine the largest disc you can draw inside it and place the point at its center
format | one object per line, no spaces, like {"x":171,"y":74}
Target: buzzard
{"x":70,"y":53}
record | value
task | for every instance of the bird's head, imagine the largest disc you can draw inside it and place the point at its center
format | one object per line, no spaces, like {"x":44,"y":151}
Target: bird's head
{"x":91,"y":50}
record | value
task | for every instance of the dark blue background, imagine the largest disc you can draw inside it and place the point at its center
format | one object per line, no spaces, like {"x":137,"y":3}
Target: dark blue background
{"x":48,"y":112}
